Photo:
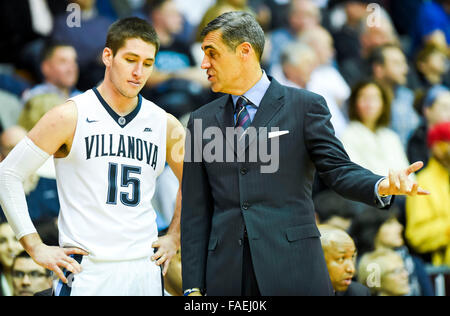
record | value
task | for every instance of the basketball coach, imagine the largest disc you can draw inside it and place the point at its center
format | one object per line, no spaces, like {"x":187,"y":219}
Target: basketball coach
{"x":244,"y":231}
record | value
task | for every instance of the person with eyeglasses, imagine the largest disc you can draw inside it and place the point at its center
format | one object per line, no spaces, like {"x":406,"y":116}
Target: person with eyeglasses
{"x":28,"y":277}
{"x":9,"y":248}
{"x":383,"y":271}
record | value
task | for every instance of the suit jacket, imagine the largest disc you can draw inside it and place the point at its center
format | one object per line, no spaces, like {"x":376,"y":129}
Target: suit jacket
{"x":220,"y":199}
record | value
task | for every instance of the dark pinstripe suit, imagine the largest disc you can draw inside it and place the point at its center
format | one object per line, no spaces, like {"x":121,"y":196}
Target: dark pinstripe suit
{"x":221,"y":199}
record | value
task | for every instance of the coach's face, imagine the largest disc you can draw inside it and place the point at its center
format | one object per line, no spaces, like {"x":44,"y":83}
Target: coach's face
{"x":131,"y":67}
{"x":223,"y":65}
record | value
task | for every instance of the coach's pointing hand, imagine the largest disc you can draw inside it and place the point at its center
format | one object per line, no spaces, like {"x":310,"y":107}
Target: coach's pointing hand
{"x":398,"y":183}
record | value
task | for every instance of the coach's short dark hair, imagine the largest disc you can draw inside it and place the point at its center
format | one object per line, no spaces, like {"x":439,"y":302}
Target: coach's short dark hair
{"x":238,"y":27}
{"x":127,"y":28}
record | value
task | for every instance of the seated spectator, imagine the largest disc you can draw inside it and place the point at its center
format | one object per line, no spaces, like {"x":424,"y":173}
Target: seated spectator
{"x":346,"y":38}
{"x":374,"y":230}
{"x":219,"y":8}
{"x":340,"y":255}
{"x":432,"y":24}
{"x":88,"y":41}
{"x":367,"y":139}
{"x":41,"y":192}
{"x":302,"y":15}
{"x":326,"y":79}
{"x":36,"y":107}
{"x":384,"y":273}
{"x":28,"y":277}
{"x":428,"y":219}
{"x":435,"y":108}
{"x":176,"y":84}
{"x":10,"y":108}
{"x":432,"y":66}
{"x":23,"y":27}
{"x":13,"y":84}
{"x":390,"y":69}
{"x":9,"y":248}
{"x":60,"y":71}
{"x":336,"y":211}
{"x":296,"y":65}
{"x":10,"y":138}
{"x":356,"y":69}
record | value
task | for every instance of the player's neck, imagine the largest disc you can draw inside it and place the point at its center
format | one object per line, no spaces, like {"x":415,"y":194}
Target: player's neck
{"x":120,"y":104}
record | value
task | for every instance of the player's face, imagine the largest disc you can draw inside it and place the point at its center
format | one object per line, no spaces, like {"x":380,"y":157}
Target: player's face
{"x":222,"y":64}
{"x":131,"y":67}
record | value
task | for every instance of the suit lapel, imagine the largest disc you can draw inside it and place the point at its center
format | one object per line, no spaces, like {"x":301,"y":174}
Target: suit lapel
{"x":225,"y":118}
{"x":271,"y":103}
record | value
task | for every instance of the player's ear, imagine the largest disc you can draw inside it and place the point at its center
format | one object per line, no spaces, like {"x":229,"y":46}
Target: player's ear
{"x":107,"y":56}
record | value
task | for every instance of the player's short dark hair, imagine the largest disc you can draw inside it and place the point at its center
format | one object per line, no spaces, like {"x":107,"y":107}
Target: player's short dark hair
{"x":238,"y":27}
{"x":127,"y":28}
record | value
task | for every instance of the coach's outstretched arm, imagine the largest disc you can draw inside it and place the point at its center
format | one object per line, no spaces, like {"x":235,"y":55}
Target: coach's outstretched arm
{"x":170,"y":243}
{"x":53,"y":135}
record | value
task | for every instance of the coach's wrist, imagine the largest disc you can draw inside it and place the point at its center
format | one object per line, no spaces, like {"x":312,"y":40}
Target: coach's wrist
{"x":193,"y":292}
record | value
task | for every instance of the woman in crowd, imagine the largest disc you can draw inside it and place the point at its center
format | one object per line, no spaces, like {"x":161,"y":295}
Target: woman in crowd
{"x":367,"y":139}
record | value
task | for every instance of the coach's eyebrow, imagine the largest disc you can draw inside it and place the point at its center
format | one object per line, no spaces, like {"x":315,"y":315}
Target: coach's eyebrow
{"x":208,"y":47}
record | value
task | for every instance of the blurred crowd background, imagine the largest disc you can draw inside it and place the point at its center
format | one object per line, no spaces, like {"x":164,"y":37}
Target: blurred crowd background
{"x":382,"y":67}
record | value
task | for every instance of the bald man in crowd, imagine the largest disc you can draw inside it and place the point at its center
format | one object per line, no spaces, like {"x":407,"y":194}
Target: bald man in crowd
{"x":340,"y":256}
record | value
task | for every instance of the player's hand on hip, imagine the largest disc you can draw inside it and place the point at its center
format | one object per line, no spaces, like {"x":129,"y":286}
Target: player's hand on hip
{"x":55,"y":258}
{"x":398,"y":182}
{"x":167,"y":248}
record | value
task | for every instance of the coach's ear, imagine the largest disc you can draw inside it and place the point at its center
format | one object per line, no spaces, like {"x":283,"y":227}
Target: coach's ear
{"x":107,"y":56}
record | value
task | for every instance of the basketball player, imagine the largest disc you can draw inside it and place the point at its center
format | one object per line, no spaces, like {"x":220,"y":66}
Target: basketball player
{"x":109,"y":145}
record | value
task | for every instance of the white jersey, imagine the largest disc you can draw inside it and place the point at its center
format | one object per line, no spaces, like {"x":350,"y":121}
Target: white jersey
{"x":106,"y":183}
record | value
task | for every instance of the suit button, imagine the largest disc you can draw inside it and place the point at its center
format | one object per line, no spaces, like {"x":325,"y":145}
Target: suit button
{"x":245,"y":206}
{"x":240,"y":242}
{"x":244,"y":171}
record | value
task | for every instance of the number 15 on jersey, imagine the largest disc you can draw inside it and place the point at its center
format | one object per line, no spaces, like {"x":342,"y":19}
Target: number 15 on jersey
{"x":127,"y":179}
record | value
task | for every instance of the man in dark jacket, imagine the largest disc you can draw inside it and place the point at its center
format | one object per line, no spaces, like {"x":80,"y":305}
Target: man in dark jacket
{"x":247,"y":210}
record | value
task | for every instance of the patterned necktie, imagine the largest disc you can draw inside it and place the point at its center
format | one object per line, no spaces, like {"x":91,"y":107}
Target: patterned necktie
{"x":242,"y":116}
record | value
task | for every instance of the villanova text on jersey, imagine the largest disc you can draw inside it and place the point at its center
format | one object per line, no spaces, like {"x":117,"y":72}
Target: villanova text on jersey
{"x":121,"y":146}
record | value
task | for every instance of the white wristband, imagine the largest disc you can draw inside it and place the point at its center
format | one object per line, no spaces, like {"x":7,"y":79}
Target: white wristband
{"x":22,"y":162}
